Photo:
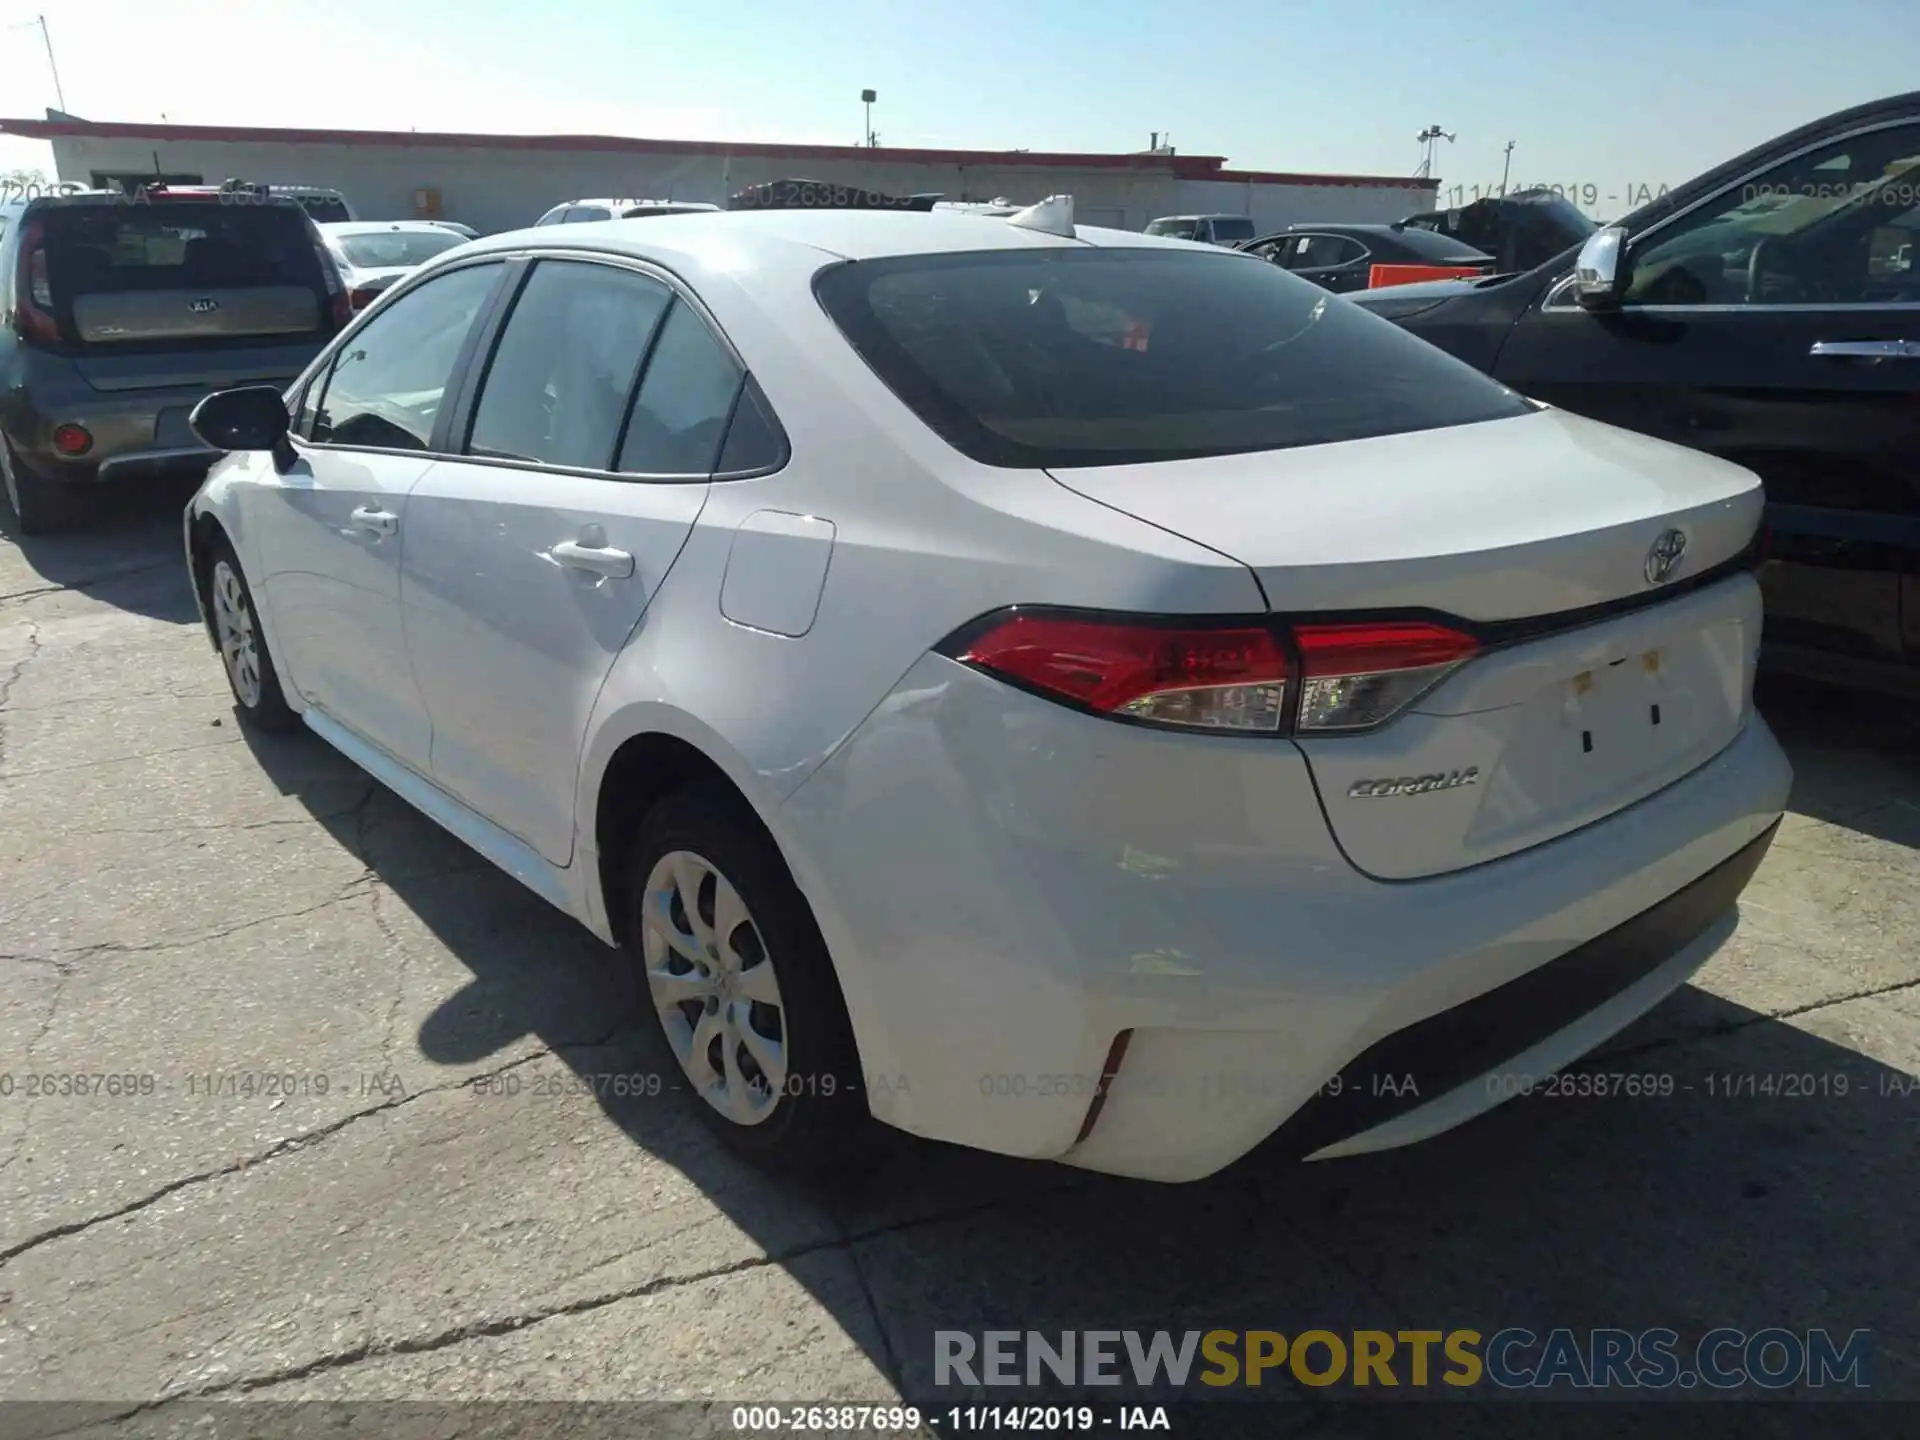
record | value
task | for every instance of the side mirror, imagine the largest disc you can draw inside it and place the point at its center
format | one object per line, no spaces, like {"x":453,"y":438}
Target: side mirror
{"x":1600,"y":274}
{"x":253,"y":417}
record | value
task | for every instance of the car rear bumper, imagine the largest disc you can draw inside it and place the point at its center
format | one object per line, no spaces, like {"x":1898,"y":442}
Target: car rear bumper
{"x":1010,"y":888}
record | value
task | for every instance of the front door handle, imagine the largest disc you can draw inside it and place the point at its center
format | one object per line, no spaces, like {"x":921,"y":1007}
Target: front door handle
{"x":378,"y":522}
{"x":595,"y":559}
{"x":1866,"y":350}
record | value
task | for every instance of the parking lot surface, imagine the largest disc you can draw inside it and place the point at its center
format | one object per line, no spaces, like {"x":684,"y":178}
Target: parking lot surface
{"x":439,"y":1195}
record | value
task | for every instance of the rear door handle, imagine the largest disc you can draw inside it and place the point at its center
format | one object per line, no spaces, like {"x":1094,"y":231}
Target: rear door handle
{"x":1866,"y":350}
{"x":595,"y":559}
{"x":378,"y":522}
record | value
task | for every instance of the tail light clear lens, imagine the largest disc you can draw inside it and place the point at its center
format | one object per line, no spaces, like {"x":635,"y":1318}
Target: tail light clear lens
{"x":1355,"y":677}
{"x":1201,"y":678}
{"x":1233,"y":677}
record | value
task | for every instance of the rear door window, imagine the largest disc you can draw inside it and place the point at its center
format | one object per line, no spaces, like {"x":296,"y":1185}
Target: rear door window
{"x":1123,"y":355}
{"x":558,"y":384}
{"x":121,"y":276}
{"x":1231,"y":230}
{"x":686,"y":396}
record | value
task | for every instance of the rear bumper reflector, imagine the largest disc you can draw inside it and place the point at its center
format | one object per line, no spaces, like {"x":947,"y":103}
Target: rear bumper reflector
{"x":1450,"y":1049}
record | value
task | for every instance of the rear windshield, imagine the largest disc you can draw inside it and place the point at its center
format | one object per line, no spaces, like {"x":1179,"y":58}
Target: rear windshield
{"x":1112,"y":356}
{"x":194,"y":243}
{"x":395,"y":248}
{"x":117,"y":273}
{"x":1440,"y":249}
{"x":1232,"y":229}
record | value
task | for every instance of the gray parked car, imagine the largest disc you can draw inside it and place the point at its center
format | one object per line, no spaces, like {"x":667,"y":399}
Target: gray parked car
{"x":118,"y":314}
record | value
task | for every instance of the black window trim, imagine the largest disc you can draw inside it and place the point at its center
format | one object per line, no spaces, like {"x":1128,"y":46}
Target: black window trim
{"x":487,"y":334}
{"x":1562,"y":285}
{"x":320,"y":373}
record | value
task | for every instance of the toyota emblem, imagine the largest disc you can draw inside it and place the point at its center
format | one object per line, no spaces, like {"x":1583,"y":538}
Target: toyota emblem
{"x":1664,"y":558}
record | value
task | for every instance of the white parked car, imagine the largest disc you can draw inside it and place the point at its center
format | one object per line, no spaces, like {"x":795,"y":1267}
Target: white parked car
{"x":1207,"y":229}
{"x":372,"y":254}
{"x":1084,"y":697}
{"x":578,"y":212}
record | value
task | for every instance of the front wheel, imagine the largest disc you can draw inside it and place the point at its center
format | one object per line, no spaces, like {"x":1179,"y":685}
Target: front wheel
{"x":741,"y":985}
{"x":243,"y":648}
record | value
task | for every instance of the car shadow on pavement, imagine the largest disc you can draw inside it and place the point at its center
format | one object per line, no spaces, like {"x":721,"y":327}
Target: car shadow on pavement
{"x":127,"y":552}
{"x":1759,"y":1175}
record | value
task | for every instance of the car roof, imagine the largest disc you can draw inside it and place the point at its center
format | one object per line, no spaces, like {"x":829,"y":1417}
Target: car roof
{"x":1341,"y":228}
{"x":375,"y":227}
{"x":631,"y":203}
{"x":842,"y":234}
{"x":1211,"y":215}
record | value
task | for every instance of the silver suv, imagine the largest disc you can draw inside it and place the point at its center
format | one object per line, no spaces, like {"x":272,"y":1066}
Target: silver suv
{"x":118,"y":314}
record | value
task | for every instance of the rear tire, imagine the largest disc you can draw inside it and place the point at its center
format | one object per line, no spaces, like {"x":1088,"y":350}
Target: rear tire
{"x":242,"y":644}
{"x":741,"y":987}
{"x":41,"y":506}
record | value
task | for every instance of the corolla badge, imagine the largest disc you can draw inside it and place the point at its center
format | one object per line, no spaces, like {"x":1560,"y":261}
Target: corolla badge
{"x":1664,"y":558}
{"x":1413,"y":784}
{"x":203,"y":307}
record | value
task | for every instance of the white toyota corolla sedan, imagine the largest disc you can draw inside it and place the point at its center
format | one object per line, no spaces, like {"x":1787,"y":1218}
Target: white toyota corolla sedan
{"x":1074,"y":694}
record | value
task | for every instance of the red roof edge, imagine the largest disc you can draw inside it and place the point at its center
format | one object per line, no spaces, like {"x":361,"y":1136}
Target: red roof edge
{"x":1185,"y":167}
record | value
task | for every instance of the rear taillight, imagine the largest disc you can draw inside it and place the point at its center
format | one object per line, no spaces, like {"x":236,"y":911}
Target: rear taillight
{"x":338,"y":300}
{"x":358,"y":300}
{"x":1234,"y":677}
{"x":1204,"y":678}
{"x":33,"y":302}
{"x":1358,"y":676}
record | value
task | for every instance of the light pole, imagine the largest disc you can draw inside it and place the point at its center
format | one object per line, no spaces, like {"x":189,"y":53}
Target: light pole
{"x":1426,"y":137}
{"x":867,"y":97}
{"x":1505,"y":168}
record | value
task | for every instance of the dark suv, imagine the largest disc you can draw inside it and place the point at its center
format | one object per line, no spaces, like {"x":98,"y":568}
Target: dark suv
{"x":1767,"y":311}
{"x":118,"y":313}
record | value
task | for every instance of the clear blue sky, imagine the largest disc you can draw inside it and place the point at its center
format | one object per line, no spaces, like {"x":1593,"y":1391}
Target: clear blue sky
{"x":1599,"y":94}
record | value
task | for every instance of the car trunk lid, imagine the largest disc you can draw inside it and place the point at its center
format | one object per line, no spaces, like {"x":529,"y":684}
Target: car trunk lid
{"x":1608,"y":665}
{"x":117,"y":285}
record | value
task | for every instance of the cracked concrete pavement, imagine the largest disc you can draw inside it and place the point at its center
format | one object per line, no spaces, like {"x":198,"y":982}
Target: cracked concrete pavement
{"x":447,"y":1203}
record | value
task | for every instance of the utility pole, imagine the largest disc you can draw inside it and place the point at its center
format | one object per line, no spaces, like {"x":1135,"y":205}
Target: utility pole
{"x":47,"y":40}
{"x":867,"y":97}
{"x":1504,"y":169}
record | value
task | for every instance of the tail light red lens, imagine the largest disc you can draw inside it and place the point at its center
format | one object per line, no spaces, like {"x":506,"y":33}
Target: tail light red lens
{"x":1199,"y":678}
{"x":358,"y":300}
{"x":72,"y":439}
{"x":1355,"y":677}
{"x":1234,"y":677}
{"x":33,"y":301}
